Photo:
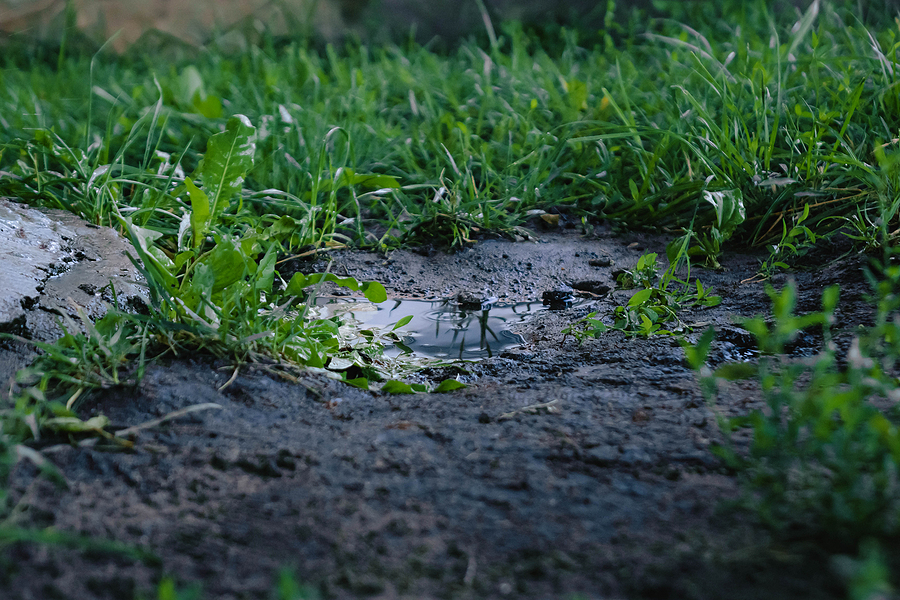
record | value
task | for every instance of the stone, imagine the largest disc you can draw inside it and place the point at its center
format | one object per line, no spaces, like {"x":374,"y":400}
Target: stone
{"x":604,"y":261}
{"x":52,"y":262}
{"x":559,"y":297}
{"x":471,"y":301}
{"x":597,"y":288}
{"x":33,"y":248}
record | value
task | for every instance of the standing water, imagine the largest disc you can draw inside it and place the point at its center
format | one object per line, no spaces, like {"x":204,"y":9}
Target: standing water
{"x":440,"y":329}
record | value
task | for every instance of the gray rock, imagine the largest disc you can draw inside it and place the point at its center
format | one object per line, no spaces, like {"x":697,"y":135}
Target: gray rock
{"x":52,"y":262}
{"x":33,"y":248}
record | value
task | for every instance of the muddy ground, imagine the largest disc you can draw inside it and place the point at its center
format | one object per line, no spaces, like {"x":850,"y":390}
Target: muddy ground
{"x":612,"y":493}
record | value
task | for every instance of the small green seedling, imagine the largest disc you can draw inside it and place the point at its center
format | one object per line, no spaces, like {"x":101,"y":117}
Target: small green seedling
{"x":824,"y":457}
{"x":656,"y":302}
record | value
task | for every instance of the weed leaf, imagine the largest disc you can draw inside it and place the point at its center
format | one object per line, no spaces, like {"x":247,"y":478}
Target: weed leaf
{"x":229,"y":156}
{"x":200,"y":216}
{"x":397,"y":387}
{"x":448,"y":385}
{"x":359,"y":382}
{"x":640,"y":297}
{"x":696,"y":354}
{"x":374,"y":292}
{"x":227,"y":263}
{"x":265,"y":274}
{"x":402,"y":322}
{"x":730,"y":211}
{"x":736,"y":371}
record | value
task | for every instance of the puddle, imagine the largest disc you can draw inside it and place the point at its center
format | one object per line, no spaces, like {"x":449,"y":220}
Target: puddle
{"x":440,"y":329}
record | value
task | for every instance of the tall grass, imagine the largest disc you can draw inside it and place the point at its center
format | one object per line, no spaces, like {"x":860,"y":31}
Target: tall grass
{"x":789,"y":109}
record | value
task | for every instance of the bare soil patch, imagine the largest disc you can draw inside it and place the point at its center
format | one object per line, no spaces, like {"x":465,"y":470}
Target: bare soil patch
{"x":563,"y":470}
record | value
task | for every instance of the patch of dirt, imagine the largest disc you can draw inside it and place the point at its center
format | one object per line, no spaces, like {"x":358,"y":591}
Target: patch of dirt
{"x":563,"y":470}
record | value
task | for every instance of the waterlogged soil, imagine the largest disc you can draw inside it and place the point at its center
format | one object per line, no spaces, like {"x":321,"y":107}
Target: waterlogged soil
{"x":562,"y":470}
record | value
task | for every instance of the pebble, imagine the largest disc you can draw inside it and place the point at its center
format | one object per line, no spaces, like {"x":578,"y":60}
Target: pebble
{"x":561,"y":296}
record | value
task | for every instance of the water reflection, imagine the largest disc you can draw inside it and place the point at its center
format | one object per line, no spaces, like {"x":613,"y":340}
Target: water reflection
{"x":441,"y":329}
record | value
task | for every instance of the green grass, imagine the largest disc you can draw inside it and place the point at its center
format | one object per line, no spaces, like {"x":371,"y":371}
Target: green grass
{"x":759,"y":105}
{"x":735,"y":125}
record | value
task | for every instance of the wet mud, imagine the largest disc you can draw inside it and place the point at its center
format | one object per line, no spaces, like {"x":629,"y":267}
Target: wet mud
{"x":563,"y":470}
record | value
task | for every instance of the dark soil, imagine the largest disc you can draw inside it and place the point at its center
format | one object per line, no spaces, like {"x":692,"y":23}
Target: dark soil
{"x":607,"y":490}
